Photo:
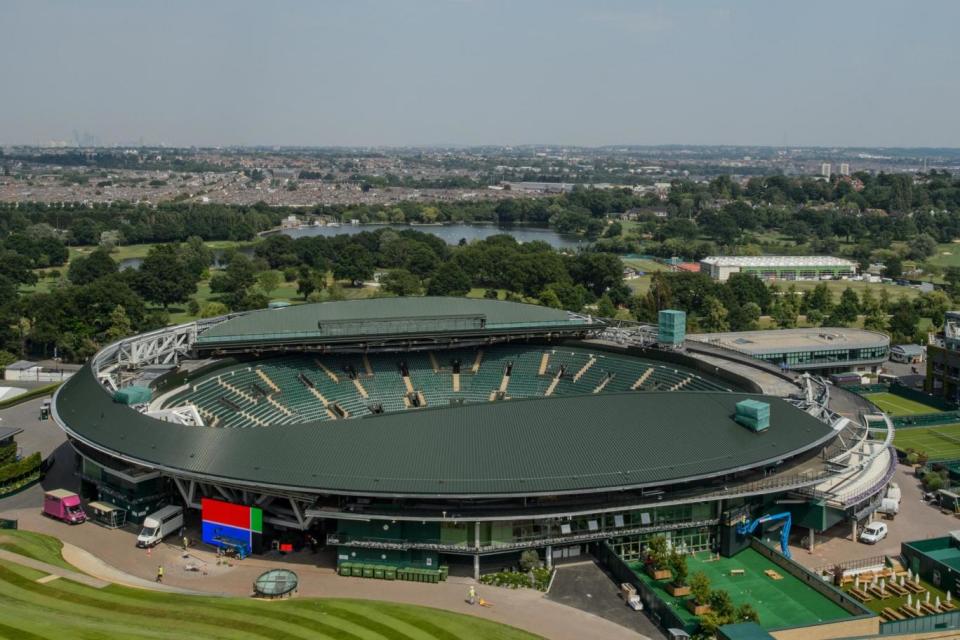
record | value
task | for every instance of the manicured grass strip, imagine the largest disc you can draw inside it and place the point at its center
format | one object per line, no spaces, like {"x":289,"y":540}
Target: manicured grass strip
{"x":111,"y":607}
{"x":939,"y":443}
{"x":63,"y":608}
{"x":20,"y":634}
{"x":897,"y":405}
{"x":34,"y":545}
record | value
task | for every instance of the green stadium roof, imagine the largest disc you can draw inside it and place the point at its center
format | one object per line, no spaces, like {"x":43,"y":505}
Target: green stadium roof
{"x":566,"y":444}
{"x":381,"y":317}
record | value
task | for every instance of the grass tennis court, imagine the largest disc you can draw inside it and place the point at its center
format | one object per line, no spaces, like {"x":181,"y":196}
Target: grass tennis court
{"x":780,"y":603}
{"x":63,"y":609}
{"x":897,"y":405}
{"x":939,"y":443}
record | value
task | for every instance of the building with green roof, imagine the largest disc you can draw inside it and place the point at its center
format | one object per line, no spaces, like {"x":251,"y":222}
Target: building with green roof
{"x":419,"y":432}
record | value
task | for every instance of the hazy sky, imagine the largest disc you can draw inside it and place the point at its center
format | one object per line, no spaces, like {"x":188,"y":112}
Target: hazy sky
{"x":397,"y":72}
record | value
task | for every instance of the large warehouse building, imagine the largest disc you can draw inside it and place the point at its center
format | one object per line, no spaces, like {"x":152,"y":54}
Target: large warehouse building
{"x":779,"y":267}
{"x":429,"y":431}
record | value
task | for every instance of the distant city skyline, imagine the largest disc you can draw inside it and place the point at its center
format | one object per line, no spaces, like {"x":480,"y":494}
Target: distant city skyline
{"x":480,"y":72}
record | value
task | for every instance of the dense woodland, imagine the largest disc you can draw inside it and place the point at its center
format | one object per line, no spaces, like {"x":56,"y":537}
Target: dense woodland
{"x":893,"y":218}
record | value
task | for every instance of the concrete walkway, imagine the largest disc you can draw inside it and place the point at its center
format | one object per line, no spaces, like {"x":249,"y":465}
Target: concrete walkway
{"x":90,"y":564}
{"x":112,"y":555}
{"x":81,"y":578}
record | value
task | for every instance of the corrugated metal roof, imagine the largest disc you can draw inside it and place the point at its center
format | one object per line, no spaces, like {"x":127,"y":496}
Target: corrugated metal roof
{"x":554,"y":445}
{"x":379,"y":316}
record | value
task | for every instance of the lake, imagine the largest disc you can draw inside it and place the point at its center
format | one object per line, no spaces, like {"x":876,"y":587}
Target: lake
{"x":450,"y":233}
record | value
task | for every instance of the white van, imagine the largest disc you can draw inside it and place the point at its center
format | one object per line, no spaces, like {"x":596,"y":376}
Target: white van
{"x":159,"y":525}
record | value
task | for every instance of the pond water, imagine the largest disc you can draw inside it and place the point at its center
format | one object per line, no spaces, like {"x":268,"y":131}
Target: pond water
{"x":450,"y":233}
{"x":453,"y":233}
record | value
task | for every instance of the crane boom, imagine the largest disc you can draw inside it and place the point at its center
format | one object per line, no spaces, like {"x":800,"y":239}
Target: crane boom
{"x":747,"y":528}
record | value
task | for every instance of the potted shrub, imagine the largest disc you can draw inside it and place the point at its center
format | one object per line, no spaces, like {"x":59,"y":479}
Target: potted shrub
{"x":678,"y":567}
{"x":658,"y":558}
{"x":699,"y":603}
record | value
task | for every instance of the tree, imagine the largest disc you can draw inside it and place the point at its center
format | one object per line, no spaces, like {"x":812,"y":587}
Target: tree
{"x":714,"y":318}
{"x":596,"y":271}
{"x":893,"y":268}
{"x":746,"y":613}
{"x":213,"y":310}
{"x":548,"y":298}
{"x":120,"y":326}
{"x":700,"y":587}
{"x":269,"y":280}
{"x":355,"y":263}
{"x":163,"y":278}
{"x":903,"y":322}
{"x":846,"y":311}
{"x":744,"y":317}
{"x":785,"y":311}
{"x":820,"y":299}
{"x":921,"y":247}
{"x":529,"y":560}
{"x":449,"y":280}
{"x":401,"y":282}
{"x":98,"y":264}
{"x":310,"y":281}
{"x":605,"y":308}
{"x":678,"y":567}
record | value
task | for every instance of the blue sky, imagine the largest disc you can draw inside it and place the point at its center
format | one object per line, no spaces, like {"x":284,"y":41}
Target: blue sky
{"x":398,"y":72}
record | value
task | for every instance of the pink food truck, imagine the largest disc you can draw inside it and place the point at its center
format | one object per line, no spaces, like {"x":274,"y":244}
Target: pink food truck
{"x":63,"y":505}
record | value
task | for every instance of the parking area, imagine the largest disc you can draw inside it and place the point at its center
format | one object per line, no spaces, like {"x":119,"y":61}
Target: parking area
{"x":588,"y":587}
{"x":916,"y":520}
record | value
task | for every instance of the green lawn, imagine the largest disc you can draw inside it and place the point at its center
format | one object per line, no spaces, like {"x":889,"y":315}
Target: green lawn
{"x":939,"y":443}
{"x":947,"y":255}
{"x":837,"y":287}
{"x":643,"y":264}
{"x":899,"y":406}
{"x":895,"y":602}
{"x":34,"y":545}
{"x":780,"y":603}
{"x":63,"y":609}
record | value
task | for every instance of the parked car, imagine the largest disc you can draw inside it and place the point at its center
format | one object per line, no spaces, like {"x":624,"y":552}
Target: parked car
{"x":873,"y":533}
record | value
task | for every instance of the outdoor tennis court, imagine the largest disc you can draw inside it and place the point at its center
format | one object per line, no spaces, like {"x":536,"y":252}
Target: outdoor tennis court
{"x":939,"y":443}
{"x":786,"y":602}
{"x":895,"y":405}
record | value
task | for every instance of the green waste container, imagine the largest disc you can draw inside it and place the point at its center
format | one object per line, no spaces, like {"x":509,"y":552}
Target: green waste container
{"x":378,"y":572}
{"x":345,"y":568}
{"x":444,"y":572}
{"x":390,"y":573}
{"x":434,"y":576}
{"x":415,"y":575}
{"x":368,"y":571}
{"x":357,"y":571}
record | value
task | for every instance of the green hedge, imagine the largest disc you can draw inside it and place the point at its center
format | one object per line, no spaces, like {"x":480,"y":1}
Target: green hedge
{"x":8,"y":453}
{"x":16,"y":470}
{"x":30,"y":395}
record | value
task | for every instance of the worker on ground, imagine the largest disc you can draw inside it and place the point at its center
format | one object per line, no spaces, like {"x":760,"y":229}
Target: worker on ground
{"x":472,"y":595}
{"x":159,"y":573}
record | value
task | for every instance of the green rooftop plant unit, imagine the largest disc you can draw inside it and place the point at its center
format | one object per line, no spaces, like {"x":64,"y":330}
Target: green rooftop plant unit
{"x":134,"y":394}
{"x":672,"y":327}
{"x":753,"y":414}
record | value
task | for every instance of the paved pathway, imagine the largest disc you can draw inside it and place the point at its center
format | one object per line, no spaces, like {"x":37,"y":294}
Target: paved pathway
{"x":16,"y":558}
{"x":121,"y":561}
{"x":91,"y":564}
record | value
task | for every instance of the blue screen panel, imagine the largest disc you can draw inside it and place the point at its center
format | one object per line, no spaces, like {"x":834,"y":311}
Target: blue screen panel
{"x":214,"y":530}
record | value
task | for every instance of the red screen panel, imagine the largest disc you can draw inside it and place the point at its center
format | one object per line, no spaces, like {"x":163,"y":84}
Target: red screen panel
{"x":233,"y":515}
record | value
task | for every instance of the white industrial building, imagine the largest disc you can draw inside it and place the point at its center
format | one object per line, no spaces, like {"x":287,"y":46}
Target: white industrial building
{"x":779,"y":267}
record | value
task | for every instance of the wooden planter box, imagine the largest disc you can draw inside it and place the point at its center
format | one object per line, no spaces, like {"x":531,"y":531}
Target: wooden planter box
{"x":697,"y":609}
{"x":659,"y":574}
{"x":677,"y":592}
